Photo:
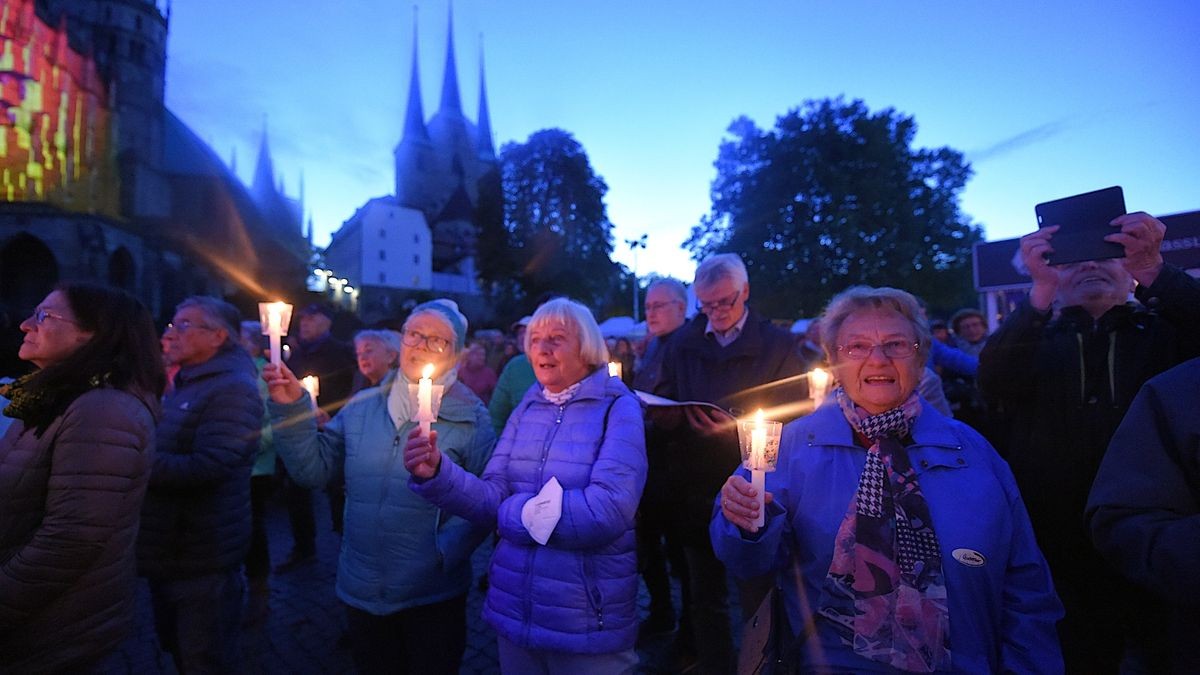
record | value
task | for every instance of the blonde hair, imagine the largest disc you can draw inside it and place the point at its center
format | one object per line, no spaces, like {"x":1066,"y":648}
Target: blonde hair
{"x":566,"y":312}
{"x":857,"y":298}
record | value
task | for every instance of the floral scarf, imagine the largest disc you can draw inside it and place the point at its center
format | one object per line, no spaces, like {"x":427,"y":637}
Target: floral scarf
{"x":885,"y":594}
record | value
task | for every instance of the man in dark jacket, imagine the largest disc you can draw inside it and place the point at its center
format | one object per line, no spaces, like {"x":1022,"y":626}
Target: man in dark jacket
{"x":1144,"y":507}
{"x":736,"y":359}
{"x":196,"y":520}
{"x":316,"y":352}
{"x":1063,"y":384}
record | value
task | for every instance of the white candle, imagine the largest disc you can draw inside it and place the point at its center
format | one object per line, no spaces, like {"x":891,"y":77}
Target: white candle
{"x":758,"y":465}
{"x":614,"y":369}
{"x":425,"y":399}
{"x":818,"y":383}
{"x":274,"y":327}
{"x":313,"y":386}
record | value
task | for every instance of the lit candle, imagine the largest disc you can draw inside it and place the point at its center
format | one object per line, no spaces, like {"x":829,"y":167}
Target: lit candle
{"x":275,"y":317}
{"x":758,"y":465}
{"x":818,"y":384}
{"x":425,"y":399}
{"x":313,"y":386}
{"x":614,"y":369}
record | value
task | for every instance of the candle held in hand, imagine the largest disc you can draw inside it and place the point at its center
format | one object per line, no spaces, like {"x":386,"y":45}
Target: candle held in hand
{"x":274,"y":317}
{"x":758,"y":466}
{"x":818,"y":384}
{"x":615,"y":369}
{"x":425,"y":399}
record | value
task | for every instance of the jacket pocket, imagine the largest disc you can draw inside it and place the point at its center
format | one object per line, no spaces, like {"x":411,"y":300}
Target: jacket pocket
{"x":591,"y":587}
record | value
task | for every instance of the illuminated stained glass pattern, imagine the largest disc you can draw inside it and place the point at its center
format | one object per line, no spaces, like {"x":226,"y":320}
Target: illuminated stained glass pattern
{"x":54,"y":118}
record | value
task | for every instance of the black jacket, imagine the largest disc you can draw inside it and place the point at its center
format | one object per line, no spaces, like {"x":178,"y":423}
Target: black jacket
{"x":196,"y":519}
{"x":333,"y":363}
{"x":759,"y":369}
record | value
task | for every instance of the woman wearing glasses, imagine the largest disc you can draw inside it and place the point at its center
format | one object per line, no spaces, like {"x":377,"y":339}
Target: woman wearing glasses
{"x":73,"y":472}
{"x":898,"y":535}
{"x":404,"y":568}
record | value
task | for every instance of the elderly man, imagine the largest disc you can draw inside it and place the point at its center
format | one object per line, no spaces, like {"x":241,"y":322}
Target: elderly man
{"x":1064,"y":383}
{"x":195,"y":528}
{"x":970,"y":330}
{"x":666,"y":308}
{"x":734,"y":358}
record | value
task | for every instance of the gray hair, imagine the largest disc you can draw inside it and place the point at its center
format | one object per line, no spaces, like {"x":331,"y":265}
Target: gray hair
{"x":857,"y":298}
{"x":721,"y":266}
{"x":566,"y":312}
{"x":674,"y":286}
{"x":219,"y":313}
{"x":387,"y":338}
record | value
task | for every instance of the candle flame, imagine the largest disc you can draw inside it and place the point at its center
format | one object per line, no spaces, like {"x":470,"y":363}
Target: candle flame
{"x":427,"y":371}
{"x":758,"y":418}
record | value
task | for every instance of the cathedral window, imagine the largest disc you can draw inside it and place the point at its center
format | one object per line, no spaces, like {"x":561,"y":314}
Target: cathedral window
{"x":383,"y":233}
{"x":416,"y":259}
{"x":382,"y":254}
{"x":383,"y":277}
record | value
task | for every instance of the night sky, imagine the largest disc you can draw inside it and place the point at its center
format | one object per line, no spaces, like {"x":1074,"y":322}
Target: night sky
{"x":1045,"y":99}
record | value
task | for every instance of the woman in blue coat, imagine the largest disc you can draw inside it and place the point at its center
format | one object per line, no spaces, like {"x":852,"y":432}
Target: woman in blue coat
{"x":899,"y":537}
{"x":404,"y":569}
{"x":562,"y":489}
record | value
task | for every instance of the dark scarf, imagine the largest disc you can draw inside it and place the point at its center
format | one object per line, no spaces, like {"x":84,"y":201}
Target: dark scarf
{"x":38,"y":406}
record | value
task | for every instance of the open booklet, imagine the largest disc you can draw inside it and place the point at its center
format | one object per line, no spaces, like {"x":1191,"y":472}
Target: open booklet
{"x":659,"y":401}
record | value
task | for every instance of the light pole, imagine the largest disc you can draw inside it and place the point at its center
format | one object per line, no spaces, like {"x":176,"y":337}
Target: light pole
{"x":634,"y":245}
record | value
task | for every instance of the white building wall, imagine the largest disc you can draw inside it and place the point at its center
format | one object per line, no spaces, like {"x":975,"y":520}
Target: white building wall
{"x":397,"y":248}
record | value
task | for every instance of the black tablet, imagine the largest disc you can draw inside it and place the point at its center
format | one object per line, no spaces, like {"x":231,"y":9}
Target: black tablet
{"x":1083,"y":222}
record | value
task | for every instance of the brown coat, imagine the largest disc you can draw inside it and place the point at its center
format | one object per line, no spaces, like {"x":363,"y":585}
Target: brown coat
{"x":69,"y":506}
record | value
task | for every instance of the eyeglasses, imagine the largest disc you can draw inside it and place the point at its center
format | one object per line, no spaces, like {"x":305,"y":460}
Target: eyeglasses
{"x":720,"y":305}
{"x":893,"y":349}
{"x":40,"y":315}
{"x":659,"y":306}
{"x":186,"y":325}
{"x":433,"y":343}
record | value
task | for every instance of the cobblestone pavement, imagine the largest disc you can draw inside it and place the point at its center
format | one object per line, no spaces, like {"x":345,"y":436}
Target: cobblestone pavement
{"x":304,"y":632}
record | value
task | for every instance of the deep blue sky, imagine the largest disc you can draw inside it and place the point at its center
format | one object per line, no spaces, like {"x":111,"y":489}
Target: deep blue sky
{"x":1046,"y":99}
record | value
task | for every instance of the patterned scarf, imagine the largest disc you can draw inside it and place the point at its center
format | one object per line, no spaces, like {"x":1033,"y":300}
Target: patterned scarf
{"x":885,"y":594}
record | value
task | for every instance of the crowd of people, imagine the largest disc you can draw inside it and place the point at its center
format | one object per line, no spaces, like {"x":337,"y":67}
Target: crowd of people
{"x":1026,"y":501}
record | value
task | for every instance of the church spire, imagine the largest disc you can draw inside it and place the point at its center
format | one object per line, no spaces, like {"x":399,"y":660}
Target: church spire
{"x":264,"y":172}
{"x":450,"y":100}
{"x":486,"y":149}
{"x":414,"y":117}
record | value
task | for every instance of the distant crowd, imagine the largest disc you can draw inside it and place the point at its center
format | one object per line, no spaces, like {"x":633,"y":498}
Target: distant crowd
{"x":950,"y":499}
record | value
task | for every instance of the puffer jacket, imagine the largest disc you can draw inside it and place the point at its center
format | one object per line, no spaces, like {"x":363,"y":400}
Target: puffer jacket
{"x":196,"y":519}
{"x":69,"y":505}
{"x":398,"y":550}
{"x":578,"y":593}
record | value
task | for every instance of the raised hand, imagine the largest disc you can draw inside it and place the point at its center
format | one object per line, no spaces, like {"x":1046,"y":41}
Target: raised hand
{"x":282,"y":384}
{"x":1142,"y":235}
{"x":421,"y":455}
{"x":739,"y":503}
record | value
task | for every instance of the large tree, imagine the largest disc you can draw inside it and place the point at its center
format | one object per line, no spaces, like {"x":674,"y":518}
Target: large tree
{"x":835,"y":195}
{"x":544,"y":227}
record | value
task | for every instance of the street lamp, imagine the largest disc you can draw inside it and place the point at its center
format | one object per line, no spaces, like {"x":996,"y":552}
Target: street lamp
{"x":634,"y":245}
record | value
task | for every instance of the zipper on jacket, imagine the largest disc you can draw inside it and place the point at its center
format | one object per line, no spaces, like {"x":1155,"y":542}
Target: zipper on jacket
{"x":387,"y":472}
{"x":546,"y":444}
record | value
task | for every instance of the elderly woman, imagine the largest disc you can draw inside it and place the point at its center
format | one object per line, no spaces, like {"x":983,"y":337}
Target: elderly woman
{"x":73,"y":473}
{"x":404,"y":569}
{"x":562,"y":489}
{"x":377,"y":352}
{"x":899,"y":536}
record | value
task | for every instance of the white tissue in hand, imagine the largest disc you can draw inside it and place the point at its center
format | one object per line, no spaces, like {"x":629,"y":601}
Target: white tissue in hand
{"x":541,"y":513}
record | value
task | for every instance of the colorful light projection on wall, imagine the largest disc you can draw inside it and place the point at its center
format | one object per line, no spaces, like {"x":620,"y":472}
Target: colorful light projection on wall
{"x":54,"y":118}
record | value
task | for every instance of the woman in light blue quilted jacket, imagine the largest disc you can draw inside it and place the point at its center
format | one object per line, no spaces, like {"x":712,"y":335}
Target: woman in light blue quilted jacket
{"x":561,"y":488}
{"x":404,"y":569}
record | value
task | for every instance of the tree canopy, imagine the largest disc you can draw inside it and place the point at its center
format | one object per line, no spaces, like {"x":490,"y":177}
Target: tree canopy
{"x":544,"y":227}
{"x":835,"y":195}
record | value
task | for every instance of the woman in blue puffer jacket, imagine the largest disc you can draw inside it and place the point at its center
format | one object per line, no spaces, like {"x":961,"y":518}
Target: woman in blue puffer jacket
{"x":562,"y":488}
